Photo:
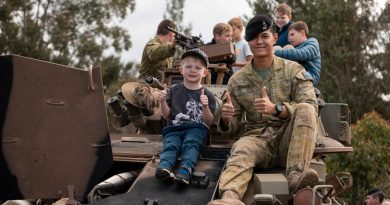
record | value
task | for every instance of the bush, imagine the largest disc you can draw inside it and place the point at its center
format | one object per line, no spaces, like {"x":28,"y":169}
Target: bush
{"x":369,"y":164}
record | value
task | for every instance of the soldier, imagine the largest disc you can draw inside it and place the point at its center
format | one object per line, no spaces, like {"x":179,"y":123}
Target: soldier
{"x":374,"y":197}
{"x":279,"y":105}
{"x":158,"y":52}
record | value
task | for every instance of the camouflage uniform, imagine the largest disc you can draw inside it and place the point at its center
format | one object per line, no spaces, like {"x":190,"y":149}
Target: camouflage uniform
{"x":265,"y":140}
{"x":155,"y":57}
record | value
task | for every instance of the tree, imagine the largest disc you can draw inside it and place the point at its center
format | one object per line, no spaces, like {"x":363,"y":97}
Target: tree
{"x":174,"y":11}
{"x":369,"y":164}
{"x":75,"y":33}
{"x":353,"y":36}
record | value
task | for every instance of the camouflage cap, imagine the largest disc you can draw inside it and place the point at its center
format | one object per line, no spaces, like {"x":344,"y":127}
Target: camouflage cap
{"x":196,"y":52}
{"x":256,"y":25}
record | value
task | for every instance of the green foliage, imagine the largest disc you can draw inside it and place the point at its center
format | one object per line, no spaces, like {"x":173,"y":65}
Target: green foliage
{"x":174,"y":11}
{"x":369,"y":164}
{"x":353,"y":37}
{"x":76,"y":33}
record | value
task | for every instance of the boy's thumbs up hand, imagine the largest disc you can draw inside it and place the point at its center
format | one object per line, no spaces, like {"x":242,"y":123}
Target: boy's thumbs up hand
{"x":263,"y":105}
{"x":203,"y":98}
{"x":227,"y":110}
{"x":161,"y":95}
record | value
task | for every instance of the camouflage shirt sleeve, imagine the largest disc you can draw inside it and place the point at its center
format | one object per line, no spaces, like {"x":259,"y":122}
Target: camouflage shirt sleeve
{"x":302,"y":90}
{"x":159,"y":52}
{"x":234,"y":130}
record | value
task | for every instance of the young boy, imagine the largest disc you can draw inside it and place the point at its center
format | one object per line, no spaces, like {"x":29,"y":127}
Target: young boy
{"x":283,"y":22}
{"x":188,"y":108}
{"x":243,"y":52}
{"x":222,"y":33}
{"x":306,"y":51}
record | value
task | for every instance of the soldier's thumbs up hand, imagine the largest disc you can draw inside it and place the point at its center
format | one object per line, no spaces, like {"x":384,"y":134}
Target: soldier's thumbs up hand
{"x":227,"y":110}
{"x":203,"y":98}
{"x":263,"y":105}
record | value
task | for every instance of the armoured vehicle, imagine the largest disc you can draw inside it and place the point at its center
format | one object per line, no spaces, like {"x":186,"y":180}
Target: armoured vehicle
{"x":56,"y":144}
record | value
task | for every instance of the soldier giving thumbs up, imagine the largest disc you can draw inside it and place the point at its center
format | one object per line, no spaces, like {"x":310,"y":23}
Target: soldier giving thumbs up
{"x":227,"y":110}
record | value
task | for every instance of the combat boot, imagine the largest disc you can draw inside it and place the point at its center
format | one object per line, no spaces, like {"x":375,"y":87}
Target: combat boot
{"x":228,"y":198}
{"x":299,"y":180}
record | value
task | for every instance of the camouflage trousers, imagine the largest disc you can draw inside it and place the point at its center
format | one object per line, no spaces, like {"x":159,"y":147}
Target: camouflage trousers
{"x":291,"y":146}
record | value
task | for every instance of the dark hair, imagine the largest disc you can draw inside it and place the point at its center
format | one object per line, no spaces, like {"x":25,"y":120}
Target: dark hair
{"x":300,"y":26}
{"x":376,"y":193}
{"x":161,"y":30}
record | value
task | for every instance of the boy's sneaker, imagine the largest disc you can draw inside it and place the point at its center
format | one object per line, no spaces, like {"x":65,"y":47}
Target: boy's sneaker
{"x":183,"y":176}
{"x":164,"y":174}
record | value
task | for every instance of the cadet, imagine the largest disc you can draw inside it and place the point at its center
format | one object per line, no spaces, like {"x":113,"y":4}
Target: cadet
{"x":279,"y":105}
{"x":158,"y":52}
{"x":188,"y":107}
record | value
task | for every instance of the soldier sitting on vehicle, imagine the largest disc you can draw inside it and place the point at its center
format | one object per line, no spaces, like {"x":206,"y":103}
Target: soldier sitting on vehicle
{"x":222,"y":33}
{"x":158,"y":52}
{"x":188,"y":107}
{"x":279,"y":105}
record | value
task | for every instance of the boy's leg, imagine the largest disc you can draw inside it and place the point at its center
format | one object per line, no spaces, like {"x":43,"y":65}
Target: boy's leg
{"x":169,"y":153}
{"x":193,"y":140}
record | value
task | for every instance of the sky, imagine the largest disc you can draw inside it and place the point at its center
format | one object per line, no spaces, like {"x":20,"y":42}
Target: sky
{"x":203,"y":14}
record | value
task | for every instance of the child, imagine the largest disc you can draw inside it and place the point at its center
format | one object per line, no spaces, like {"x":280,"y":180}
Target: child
{"x":222,"y":33}
{"x":188,"y":107}
{"x":283,"y":22}
{"x":306,"y":51}
{"x":243,"y":52}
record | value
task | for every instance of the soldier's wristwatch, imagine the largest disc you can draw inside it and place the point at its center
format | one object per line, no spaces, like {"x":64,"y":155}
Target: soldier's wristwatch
{"x":278,"y":108}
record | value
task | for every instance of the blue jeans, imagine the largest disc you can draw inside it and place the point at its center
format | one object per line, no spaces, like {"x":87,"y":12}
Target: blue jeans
{"x":186,"y":139}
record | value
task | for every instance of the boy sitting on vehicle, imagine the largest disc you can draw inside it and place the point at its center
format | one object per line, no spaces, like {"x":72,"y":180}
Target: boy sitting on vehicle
{"x":304,"y":50}
{"x":283,"y":22}
{"x":188,"y":107}
{"x":243,"y":52}
{"x":222,"y":33}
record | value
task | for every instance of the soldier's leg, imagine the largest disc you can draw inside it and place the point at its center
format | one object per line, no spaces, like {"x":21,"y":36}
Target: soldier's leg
{"x":297,"y":146}
{"x":246,"y":153}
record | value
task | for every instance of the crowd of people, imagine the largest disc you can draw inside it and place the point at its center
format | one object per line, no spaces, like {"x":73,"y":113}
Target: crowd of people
{"x":270,"y":79}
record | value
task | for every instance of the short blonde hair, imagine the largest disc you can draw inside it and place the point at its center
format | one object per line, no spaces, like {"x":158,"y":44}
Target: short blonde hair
{"x":236,"y":22}
{"x":284,"y":9}
{"x":221,"y":28}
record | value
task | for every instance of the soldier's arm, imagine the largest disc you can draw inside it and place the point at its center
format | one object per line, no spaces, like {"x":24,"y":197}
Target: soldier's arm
{"x":233,"y":127}
{"x":303,"y":90}
{"x":157,"y":52}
